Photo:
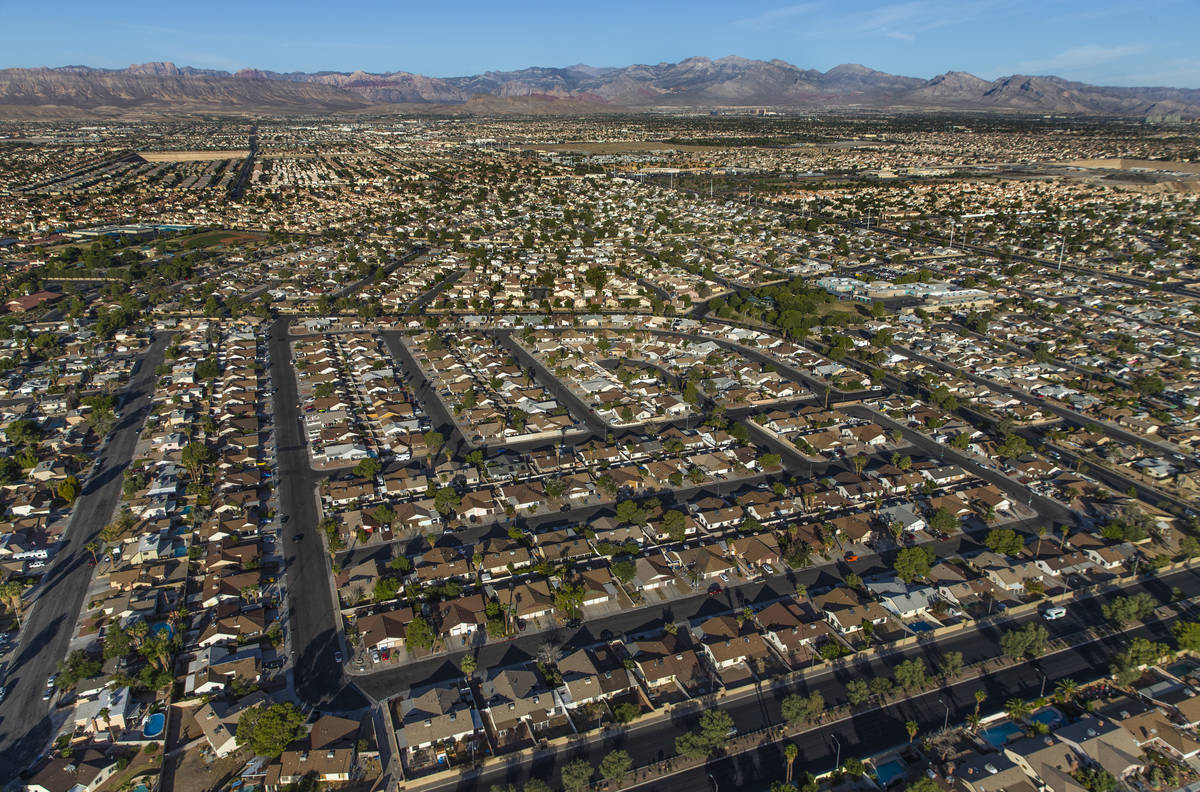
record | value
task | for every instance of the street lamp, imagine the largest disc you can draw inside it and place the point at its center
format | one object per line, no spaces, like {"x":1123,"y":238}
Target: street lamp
{"x":837,"y":762}
{"x":945,"y":720}
{"x":714,"y":782}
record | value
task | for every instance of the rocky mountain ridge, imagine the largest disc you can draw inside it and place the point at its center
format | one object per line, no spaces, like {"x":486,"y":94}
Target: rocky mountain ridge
{"x":697,"y":82}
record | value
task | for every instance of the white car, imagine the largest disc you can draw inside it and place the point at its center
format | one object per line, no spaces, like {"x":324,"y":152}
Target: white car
{"x":1054,"y":612}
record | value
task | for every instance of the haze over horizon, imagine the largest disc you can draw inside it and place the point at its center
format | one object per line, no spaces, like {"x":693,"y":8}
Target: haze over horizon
{"x":1103,"y":43}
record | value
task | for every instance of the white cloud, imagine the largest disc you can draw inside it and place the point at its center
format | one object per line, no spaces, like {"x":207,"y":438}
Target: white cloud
{"x":896,"y":34}
{"x":1083,"y":57}
{"x":769,"y":19}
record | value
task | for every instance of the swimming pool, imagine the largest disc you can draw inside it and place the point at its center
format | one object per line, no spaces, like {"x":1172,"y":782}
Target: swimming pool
{"x":1001,"y":733}
{"x":1049,"y":716}
{"x":888,"y":772}
{"x":154,"y":725}
{"x":921,"y":626}
{"x":1182,"y":668}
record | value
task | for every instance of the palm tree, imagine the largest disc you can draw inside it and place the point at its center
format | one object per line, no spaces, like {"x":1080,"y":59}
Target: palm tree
{"x":1066,"y":690}
{"x":973,"y":721}
{"x":1017,"y":709}
{"x":980,"y":697}
{"x":138,"y":632}
{"x":911,"y":727}
{"x":790,"y":751}
{"x":94,"y":549}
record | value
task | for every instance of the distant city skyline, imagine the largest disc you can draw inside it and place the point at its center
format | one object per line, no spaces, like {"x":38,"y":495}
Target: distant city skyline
{"x":1105,"y":42}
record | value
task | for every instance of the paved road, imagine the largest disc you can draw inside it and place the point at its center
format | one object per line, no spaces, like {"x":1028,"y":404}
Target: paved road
{"x":1050,"y":510}
{"x":650,"y":619}
{"x":312,"y":619}
{"x":1149,"y":493}
{"x":25,"y":726}
{"x":454,"y":443}
{"x":1069,"y":415}
{"x":872,"y":729}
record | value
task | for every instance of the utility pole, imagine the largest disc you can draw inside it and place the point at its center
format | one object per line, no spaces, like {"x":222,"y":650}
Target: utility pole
{"x":1062,"y":247}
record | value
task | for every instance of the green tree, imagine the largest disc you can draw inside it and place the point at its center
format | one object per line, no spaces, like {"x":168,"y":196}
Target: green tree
{"x":713,"y":732}
{"x":857,"y":692}
{"x":535,"y":785}
{"x":1097,"y":779}
{"x":1004,"y":541}
{"x":68,"y":489}
{"x":23,"y":432}
{"x":615,"y":765}
{"x":1022,"y":642}
{"x":951,"y":665}
{"x":269,"y":730}
{"x":943,"y":521}
{"x":1123,"y":610}
{"x":434,"y":442}
{"x":625,"y":712}
{"x":468,"y":664}
{"x":797,"y":708}
{"x":194,"y":457}
{"x":368,"y":468}
{"x":1187,"y":635}
{"x":79,"y":665}
{"x":923,"y":784}
{"x":419,"y":634}
{"x":913,"y":563}
{"x":12,"y":592}
{"x":910,"y":674}
{"x":446,"y":500}
{"x":675,"y":524}
{"x":576,"y":775}
{"x":384,"y":514}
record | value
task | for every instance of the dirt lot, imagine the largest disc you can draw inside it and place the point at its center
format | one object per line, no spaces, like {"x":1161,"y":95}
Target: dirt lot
{"x":191,"y":156}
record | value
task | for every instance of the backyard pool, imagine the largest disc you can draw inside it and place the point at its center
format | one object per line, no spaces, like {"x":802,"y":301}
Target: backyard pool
{"x":1001,"y":733}
{"x":1049,"y":716}
{"x":889,"y":771}
{"x":1182,"y":668}
{"x":921,"y":627}
{"x":154,"y":725}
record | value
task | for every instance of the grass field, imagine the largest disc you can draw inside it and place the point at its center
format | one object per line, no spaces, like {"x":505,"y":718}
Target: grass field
{"x":213,"y":238}
{"x":191,"y":156}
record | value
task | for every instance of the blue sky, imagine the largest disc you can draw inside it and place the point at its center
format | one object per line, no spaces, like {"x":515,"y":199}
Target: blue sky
{"x":1113,"y":42}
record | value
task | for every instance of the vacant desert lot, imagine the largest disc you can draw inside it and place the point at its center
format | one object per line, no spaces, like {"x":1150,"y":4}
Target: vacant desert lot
{"x":191,"y":156}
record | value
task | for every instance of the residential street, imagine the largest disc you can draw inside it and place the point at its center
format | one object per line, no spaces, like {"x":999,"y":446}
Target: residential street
{"x":312,"y":617}
{"x":871,"y":729}
{"x":25,"y":724}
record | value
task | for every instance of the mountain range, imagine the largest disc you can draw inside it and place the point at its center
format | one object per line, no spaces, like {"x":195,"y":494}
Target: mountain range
{"x":699,"y":82}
